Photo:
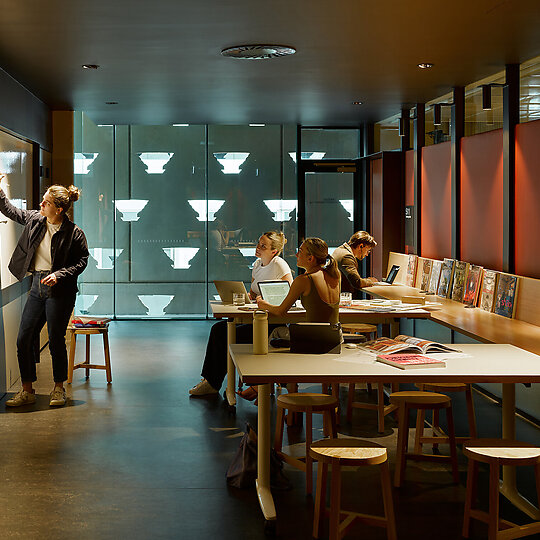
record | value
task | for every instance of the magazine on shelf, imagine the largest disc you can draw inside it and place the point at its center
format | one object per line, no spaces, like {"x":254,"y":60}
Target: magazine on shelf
{"x":461,"y":271}
{"x":489,"y":286}
{"x":403,"y":344}
{"x":410,"y":361}
{"x":411,"y":270}
{"x":445,"y":281}
{"x":472,"y":286}
{"x":436,"y":268}
{"x":505,"y":297}
{"x":426,"y":273}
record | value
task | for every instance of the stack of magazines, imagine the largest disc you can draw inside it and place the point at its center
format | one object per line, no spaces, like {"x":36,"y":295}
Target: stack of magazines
{"x":90,"y":322}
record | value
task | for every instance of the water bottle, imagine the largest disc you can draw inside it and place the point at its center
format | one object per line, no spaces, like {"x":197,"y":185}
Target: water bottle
{"x":260,"y":332}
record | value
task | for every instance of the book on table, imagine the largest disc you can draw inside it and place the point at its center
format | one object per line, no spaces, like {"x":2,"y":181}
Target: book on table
{"x":445,"y":281}
{"x":426,"y":273}
{"x":434,"y":277}
{"x":489,"y":286}
{"x":461,"y":271}
{"x":410,"y":361}
{"x":472,"y":286}
{"x":80,"y":321}
{"x":505,"y":297}
{"x":411,"y":270}
{"x":404,"y":344}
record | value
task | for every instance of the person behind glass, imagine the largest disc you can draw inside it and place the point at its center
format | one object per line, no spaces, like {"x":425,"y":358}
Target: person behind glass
{"x":268,"y":266}
{"x":55,"y":251}
{"x":347,"y":256}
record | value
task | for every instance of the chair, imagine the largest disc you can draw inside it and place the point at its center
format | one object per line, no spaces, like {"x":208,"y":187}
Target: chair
{"x":497,"y":453}
{"x":308,"y":403}
{"x":443,"y":388}
{"x":349,"y":452}
{"x":422,"y":400}
{"x":88,"y":332}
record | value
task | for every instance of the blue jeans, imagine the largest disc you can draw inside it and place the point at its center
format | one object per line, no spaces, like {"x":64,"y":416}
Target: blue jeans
{"x":55,"y":311}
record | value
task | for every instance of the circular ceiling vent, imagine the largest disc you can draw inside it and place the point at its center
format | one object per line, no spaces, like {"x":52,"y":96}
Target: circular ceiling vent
{"x":257,"y":52}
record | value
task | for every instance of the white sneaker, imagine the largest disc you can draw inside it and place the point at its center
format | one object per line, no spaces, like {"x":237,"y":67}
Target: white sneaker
{"x":58,"y":397}
{"x":22,"y":397}
{"x":203,"y":388}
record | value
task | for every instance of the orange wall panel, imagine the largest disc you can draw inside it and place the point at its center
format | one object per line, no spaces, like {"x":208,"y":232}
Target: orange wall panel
{"x":436,"y":222}
{"x":527,"y":198}
{"x":482,"y":199}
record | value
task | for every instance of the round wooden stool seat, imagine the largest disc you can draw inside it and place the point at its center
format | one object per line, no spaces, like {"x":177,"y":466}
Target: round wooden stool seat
{"x":298,"y":402}
{"x":442,"y":387}
{"x":497,"y":453}
{"x":350,"y":452}
{"x":421,"y":400}
{"x":359,"y":328}
{"x":337,"y":453}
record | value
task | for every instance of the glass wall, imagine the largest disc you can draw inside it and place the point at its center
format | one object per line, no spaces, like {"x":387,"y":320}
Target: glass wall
{"x":168,"y":209}
{"x":529,"y":102}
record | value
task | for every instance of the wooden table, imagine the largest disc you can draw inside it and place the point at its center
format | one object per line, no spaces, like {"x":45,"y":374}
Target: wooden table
{"x":504,"y":364}
{"x":235,"y":315}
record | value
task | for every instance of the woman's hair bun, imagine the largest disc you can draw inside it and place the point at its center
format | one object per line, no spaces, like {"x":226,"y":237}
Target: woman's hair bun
{"x":74,"y":193}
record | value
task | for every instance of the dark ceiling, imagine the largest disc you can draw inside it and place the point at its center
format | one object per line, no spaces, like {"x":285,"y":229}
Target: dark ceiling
{"x":160,"y":60}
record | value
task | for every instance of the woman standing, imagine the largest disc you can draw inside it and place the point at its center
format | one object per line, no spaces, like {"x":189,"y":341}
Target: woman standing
{"x":54,"y":250}
{"x":268,"y":266}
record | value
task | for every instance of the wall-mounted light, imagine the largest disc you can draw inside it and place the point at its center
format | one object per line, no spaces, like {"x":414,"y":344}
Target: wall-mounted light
{"x":231,"y":161}
{"x":200,"y":206}
{"x":486,"y":95}
{"x":155,"y":161}
{"x":437,"y":117}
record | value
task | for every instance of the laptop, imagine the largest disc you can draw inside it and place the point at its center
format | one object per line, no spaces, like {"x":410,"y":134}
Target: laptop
{"x":274,"y":292}
{"x":389,"y":279}
{"x":315,"y":338}
{"x":226,"y":289}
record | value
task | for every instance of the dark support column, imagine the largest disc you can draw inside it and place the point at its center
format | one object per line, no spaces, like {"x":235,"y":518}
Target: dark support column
{"x":301,"y":187}
{"x":419,"y":143}
{"x":457,"y":132}
{"x":369,"y":139}
{"x":406,"y":127}
{"x":510,"y":121}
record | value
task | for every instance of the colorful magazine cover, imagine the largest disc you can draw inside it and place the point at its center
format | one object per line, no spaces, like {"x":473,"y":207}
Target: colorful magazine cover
{"x":461,"y":270}
{"x":489,"y":283}
{"x":434,"y":278}
{"x":472,"y":287}
{"x":445,"y":282}
{"x":505,"y":298}
{"x":411,"y":270}
{"x":426,"y":273}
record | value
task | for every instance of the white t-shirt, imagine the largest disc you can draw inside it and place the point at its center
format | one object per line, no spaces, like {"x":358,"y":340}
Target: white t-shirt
{"x":275,"y":269}
{"x":42,"y":256}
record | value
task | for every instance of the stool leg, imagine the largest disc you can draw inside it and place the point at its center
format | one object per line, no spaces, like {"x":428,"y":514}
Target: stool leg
{"x":472,"y":472}
{"x":335,"y":393}
{"x":452,"y":442}
{"x":87,"y":359}
{"x":71,"y":360}
{"x":436,"y":425}
{"x":335,"y":500}
{"x":380,"y":407}
{"x":320,"y":499}
{"x":403,"y":436}
{"x":470,"y":412}
{"x":280,"y":421}
{"x":420,"y":422}
{"x":493,"y":523}
{"x":350,"y":400}
{"x":309,"y":459}
{"x":386,"y":485}
{"x":107,"y":356}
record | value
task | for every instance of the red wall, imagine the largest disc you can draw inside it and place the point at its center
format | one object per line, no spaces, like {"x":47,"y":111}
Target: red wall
{"x":482,"y":199}
{"x":436,"y":222}
{"x":527,"y":199}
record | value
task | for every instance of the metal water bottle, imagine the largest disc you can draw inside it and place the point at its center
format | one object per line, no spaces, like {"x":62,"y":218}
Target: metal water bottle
{"x":260,"y":332}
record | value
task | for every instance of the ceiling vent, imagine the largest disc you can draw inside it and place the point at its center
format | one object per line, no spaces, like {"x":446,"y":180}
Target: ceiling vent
{"x":257,"y":52}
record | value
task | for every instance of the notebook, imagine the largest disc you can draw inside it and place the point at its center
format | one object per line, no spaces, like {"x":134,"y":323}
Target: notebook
{"x":389,"y":279}
{"x":226,"y":289}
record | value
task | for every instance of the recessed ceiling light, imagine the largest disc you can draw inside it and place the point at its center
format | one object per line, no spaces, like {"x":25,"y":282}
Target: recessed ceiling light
{"x":90,"y":66}
{"x":180,"y":125}
{"x":357,"y":102}
{"x":257,"y":52}
{"x":111,"y":103}
{"x":257,"y":125}
{"x":425,"y":65}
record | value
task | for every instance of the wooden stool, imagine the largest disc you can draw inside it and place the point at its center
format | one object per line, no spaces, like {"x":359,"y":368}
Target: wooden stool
{"x":308,"y":403}
{"x":355,"y":453}
{"x":74,"y":332}
{"x":497,"y":453}
{"x":443,"y":388}
{"x":369,"y":330}
{"x":422,"y":400}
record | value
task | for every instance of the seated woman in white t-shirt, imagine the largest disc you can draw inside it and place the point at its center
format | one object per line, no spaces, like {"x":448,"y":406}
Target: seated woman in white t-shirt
{"x":268,"y":266}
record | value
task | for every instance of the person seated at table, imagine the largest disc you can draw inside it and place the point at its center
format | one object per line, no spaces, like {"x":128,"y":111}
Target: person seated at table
{"x":347,"y":256}
{"x":268,"y":266}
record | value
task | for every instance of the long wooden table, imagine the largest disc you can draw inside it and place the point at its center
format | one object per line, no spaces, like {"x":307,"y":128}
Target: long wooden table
{"x":504,"y":364}
{"x":235,"y":315}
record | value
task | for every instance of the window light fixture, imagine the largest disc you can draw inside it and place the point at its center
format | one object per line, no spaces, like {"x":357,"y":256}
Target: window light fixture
{"x":348,"y":204}
{"x":200,"y":206}
{"x":282,"y":208}
{"x":155,"y":161}
{"x":155,"y":303}
{"x":307,"y":155}
{"x":257,"y":125}
{"x":180,"y":125}
{"x":180,"y":256}
{"x":105,"y":257}
{"x":130,"y":208}
{"x":82,"y":161}
{"x":231,"y":161}
{"x":84,"y":302}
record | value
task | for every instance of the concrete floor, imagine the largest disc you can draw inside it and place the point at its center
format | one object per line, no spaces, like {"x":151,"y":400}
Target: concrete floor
{"x":139,"y":459}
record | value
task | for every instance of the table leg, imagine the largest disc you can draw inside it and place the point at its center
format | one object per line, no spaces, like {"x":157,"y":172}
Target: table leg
{"x":508,"y":483}
{"x":263,"y":454}
{"x":231,"y":370}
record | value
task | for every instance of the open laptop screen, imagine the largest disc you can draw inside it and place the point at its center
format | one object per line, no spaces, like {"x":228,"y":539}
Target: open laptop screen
{"x":274,"y":292}
{"x":392,"y":274}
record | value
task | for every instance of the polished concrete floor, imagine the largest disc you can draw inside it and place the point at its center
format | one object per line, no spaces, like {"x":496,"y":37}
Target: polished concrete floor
{"x":141,"y":459}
